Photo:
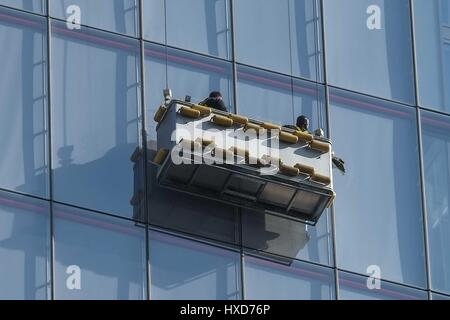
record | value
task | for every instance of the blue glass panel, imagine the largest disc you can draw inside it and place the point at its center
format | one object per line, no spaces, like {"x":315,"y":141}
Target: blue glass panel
{"x":96,"y":118}
{"x":188,"y":270}
{"x":98,"y":257}
{"x":432,"y":32}
{"x":23,"y":103}
{"x":436,"y":296}
{"x":279,"y":99}
{"x":37,"y":6}
{"x":379,"y":217}
{"x":285,"y":37}
{"x":24,"y":248}
{"x":266,"y":280}
{"x":197,"y":25}
{"x":120,"y":16}
{"x":436,"y":152}
{"x":369,"y":47}
{"x":288,"y":239}
{"x":356,"y":287}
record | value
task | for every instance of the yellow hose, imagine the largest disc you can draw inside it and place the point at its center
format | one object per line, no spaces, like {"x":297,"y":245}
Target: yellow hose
{"x":204,"y":111}
{"x":289,"y":171}
{"x":288,"y":137}
{"x":160,"y":156}
{"x":189,"y":112}
{"x":159,"y":115}
{"x":304,"y":136}
{"x":321,"y":179}
{"x":320,"y":146}
{"x":238,"y":119}
{"x":222,"y":121}
{"x":305,"y":169}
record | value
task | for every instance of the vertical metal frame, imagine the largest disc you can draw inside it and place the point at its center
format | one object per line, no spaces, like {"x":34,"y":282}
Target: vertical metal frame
{"x":328,"y":119}
{"x":421,"y":156}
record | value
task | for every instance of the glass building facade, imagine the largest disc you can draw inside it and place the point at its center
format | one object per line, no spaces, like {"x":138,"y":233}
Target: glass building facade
{"x":81,"y":217}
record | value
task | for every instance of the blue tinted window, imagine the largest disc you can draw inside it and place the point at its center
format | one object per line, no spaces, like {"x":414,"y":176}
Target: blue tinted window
{"x":266,"y":280}
{"x":197,"y":25}
{"x":279,"y":99}
{"x":378,"y":206}
{"x":436,"y":296}
{"x":284,"y":37}
{"x":117,"y":15}
{"x":185,"y":74}
{"x":356,"y":287}
{"x":286,"y":238}
{"x":432,"y":32}
{"x":23,"y":103}
{"x":186,"y":270}
{"x":369,"y":47}
{"x":95,"y":118}
{"x":24,"y":248}
{"x":37,"y":6}
{"x":98,"y":257}
{"x":436,"y":152}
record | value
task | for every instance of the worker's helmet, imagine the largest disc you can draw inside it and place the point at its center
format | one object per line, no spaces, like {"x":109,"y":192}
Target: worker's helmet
{"x":215,"y":95}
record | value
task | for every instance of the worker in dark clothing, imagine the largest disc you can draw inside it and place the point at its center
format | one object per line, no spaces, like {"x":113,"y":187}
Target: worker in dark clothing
{"x":301,"y":125}
{"x":215,"y":101}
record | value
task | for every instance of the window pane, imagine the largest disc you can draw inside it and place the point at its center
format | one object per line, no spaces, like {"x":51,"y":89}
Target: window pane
{"x":23,"y":103}
{"x":432,"y":31}
{"x":120,"y":16}
{"x":98,"y":257}
{"x":369,"y":47}
{"x":265,"y":280}
{"x":356,"y":287}
{"x":37,"y":6}
{"x":436,"y":152}
{"x":206,"y":30}
{"x":187,"y":270}
{"x":24,"y":248}
{"x":378,"y":206}
{"x":284,"y":37}
{"x":436,"y":296}
{"x":279,"y":99}
{"x":96,"y":114}
{"x":287,"y":238}
{"x":186,"y":74}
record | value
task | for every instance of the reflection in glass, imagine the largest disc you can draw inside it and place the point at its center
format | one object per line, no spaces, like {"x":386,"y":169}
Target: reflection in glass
{"x":24,"y":248}
{"x":435,"y":296}
{"x":288,"y":239}
{"x":120,"y":16}
{"x":187,"y":270}
{"x":378,"y":206}
{"x":37,"y":6}
{"x":23,"y":104}
{"x":432,"y":32}
{"x":369,"y":47}
{"x":98,"y":257}
{"x":436,"y":152}
{"x":285,"y":37}
{"x":197,"y":25}
{"x":279,"y":99}
{"x":265,"y":280}
{"x":185,"y":74}
{"x":355,"y":287}
{"x":95,"y":118}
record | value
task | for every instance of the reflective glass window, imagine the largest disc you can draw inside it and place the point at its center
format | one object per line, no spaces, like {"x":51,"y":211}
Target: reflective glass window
{"x":120,"y":16}
{"x":436,"y":153}
{"x":279,"y":99}
{"x":286,"y":239}
{"x":369,"y":47}
{"x":23,"y":103}
{"x":186,"y":270}
{"x":285,"y":36}
{"x":432,"y":32}
{"x":378,"y":208}
{"x":95,"y":118}
{"x":24,"y":248}
{"x":357,"y":287}
{"x":267,"y":280}
{"x":436,"y":296}
{"x":197,"y":25}
{"x":37,"y":6}
{"x":98,"y":257}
